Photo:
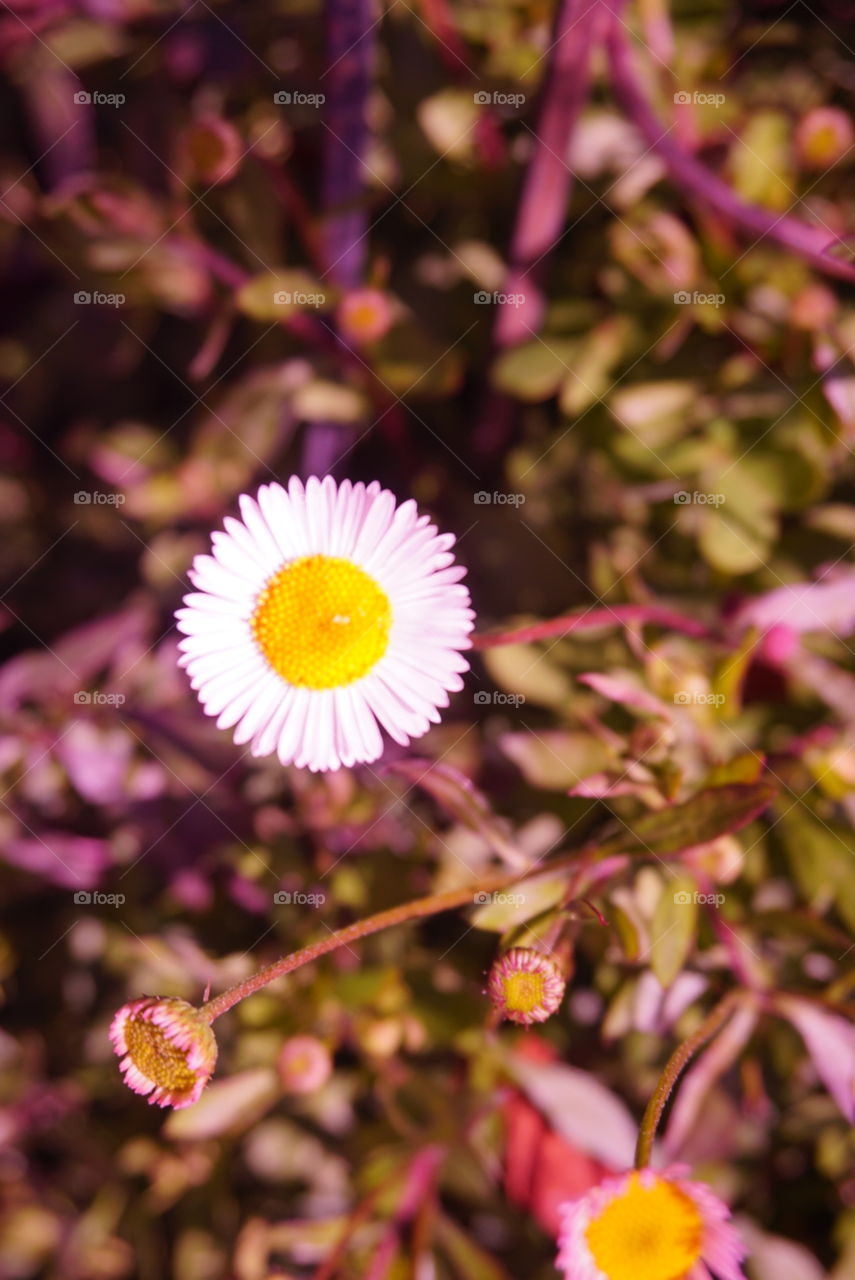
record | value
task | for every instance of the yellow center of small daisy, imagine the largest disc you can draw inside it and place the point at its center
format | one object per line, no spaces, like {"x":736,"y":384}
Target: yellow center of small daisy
{"x":523,"y":992}
{"x":322,"y":622}
{"x":647,"y":1233}
{"x":157,"y":1057}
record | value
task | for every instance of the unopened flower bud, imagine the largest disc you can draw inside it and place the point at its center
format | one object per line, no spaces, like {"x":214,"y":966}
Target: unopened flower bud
{"x":526,"y":986}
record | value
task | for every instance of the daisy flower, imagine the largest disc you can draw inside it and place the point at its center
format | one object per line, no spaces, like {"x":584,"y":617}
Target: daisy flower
{"x":526,"y":986}
{"x":649,"y":1226}
{"x":324,"y":614}
{"x":167,"y":1049}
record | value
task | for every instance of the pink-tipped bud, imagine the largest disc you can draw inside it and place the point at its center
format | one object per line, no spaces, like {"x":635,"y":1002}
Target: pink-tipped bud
{"x":823,"y":137}
{"x":167,"y":1049}
{"x":364,"y":316}
{"x":304,"y":1064}
{"x":526,"y":986}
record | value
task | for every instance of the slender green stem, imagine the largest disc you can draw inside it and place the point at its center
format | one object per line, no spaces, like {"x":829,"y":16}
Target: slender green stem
{"x":417,"y":909}
{"x":673,"y":1069}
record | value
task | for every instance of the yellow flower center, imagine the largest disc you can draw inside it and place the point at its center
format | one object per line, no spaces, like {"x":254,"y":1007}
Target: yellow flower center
{"x":157,"y":1057}
{"x":523,"y":992}
{"x":321,"y":622}
{"x":648,"y":1233}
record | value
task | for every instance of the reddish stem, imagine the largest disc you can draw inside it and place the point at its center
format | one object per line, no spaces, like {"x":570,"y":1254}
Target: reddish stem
{"x":590,"y":620}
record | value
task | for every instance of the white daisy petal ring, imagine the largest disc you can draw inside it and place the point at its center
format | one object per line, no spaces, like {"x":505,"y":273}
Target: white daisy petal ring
{"x":323,"y":615}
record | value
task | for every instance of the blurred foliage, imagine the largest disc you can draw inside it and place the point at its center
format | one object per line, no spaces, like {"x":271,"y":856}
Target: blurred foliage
{"x":680,"y":432}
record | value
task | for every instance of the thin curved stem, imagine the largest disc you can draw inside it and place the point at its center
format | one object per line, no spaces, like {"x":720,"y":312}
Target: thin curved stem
{"x":590,"y":619}
{"x":416,"y":909}
{"x":674,"y":1067}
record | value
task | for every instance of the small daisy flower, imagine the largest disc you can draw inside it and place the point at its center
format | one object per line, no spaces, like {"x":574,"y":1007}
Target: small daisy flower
{"x":823,"y":137}
{"x":526,"y":986}
{"x":304,"y":1064}
{"x":649,"y":1226}
{"x":364,"y":316}
{"x":167,"y":1049}
{"x":326,"y":613}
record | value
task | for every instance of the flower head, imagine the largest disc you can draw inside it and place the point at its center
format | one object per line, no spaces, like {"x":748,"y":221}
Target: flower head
{"x":304,"y":1064}
{"x":167,"y":1049}
{"x":525,"y":985}
{"x":324,"y":614}
{"x":649,"y":1226}
{"x":364,"y":316}
{"x":823,"y":137}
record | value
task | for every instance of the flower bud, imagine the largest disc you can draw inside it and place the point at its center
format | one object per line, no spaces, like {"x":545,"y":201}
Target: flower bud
{"x":526,"y":986}
{"x":167,"y":1049}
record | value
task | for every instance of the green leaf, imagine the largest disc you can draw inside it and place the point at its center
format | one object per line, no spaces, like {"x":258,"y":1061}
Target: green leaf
{"x":534,"y":371}
{"x":468,"y":1259}
{"x":708,"y":815}
{"x":673,"y":928}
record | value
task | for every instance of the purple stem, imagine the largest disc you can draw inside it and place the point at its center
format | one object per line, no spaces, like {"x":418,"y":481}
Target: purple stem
{"x":546,"y":189}
{"x":350,"y":26}
{"x":543,"y":203}
{"x":809,"y":242}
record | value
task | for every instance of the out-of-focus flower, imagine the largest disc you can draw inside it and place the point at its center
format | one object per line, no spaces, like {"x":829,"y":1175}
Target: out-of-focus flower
{"x":649,"y":1226}
{"x":830,"y":1041}
{"x":167,"y":1049}
{"x":364,"y":316}
{"x":304,"y":1064}
{"x":526,"y":986}
{"x":823,"y":137}
{"x":212,"y":150}
{"x":327,"y":612}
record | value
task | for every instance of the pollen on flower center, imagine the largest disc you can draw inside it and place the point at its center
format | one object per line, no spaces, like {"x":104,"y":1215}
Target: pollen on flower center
{"x":650,"y":1232}
{"x":153,"y":1054}
{"x":523,"y":991}
{"x":322,"y":622}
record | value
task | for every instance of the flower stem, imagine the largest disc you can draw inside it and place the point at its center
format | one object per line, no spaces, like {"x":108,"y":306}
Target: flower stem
{"x":589,"y":619}
{"x":679,"y":1059}
{"x":416,"y":909}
